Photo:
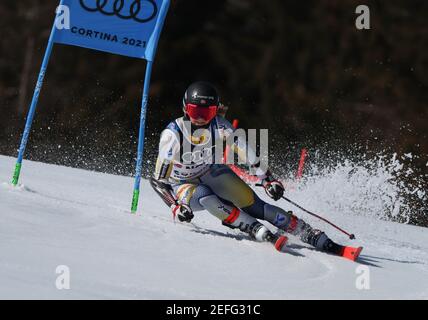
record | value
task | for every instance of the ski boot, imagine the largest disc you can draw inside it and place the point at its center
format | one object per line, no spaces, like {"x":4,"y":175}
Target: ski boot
{"x":259,"y":232}
{"x":256,"y":230}
{"x":319,"y":240}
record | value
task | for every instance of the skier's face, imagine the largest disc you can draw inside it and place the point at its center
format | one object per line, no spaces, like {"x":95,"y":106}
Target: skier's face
{"x":199,"y":122}
{"x":201,"y":115}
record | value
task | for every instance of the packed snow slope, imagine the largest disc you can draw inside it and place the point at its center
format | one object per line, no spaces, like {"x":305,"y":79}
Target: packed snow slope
{"x":76,"y":218}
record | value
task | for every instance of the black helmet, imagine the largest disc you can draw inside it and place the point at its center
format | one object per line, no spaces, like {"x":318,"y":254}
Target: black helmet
{"x":201,"y":102}
{"x":202,"y":94}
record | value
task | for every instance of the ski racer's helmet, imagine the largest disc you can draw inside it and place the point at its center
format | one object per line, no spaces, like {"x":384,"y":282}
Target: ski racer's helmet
{"x":201,"y":102}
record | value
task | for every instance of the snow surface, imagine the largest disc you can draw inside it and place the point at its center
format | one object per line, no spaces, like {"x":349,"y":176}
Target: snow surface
{"x":77,"y":218}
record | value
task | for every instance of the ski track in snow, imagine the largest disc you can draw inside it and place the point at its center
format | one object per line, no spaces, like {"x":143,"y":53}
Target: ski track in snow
{"x":77,"y":218}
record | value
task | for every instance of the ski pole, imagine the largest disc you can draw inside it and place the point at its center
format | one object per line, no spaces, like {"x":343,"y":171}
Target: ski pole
{"x":351,"y":236}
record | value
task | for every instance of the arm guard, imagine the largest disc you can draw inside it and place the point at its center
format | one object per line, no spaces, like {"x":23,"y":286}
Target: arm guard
{"x":164,"y":190}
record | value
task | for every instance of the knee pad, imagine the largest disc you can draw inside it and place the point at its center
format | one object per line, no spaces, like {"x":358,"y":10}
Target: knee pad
{"x":191,"y":194}
{"x":184,"y":192}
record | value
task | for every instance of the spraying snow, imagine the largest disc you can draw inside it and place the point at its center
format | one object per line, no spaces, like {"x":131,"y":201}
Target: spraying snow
{"x":380,"y":186}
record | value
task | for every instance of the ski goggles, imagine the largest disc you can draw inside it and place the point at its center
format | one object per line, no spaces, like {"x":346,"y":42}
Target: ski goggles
{"x":196,"y":112}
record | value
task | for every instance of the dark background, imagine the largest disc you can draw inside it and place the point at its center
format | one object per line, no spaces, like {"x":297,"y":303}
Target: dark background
{"x":299,"y":68}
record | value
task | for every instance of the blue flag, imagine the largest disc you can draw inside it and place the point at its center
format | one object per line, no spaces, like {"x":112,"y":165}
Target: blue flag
{"x":126,"y":27}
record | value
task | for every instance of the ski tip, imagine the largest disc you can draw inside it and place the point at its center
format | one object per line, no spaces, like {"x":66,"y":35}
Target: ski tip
{"x":281,"y":243}
{"x":351,"y":253}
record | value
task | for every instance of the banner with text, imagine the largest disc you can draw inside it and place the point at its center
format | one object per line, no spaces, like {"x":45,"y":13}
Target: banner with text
{"x":125,"y":27}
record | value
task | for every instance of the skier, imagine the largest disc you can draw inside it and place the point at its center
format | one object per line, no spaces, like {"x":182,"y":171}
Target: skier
{"x":192,"y":181}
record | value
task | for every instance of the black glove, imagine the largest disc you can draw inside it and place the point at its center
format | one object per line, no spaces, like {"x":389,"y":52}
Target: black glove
{"x":273,"y":188}
{"x":182,"y":212}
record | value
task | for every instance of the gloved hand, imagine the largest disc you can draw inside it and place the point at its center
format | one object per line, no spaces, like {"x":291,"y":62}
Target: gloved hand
{"x":183,"y":212}
{"x":273,"y":188}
